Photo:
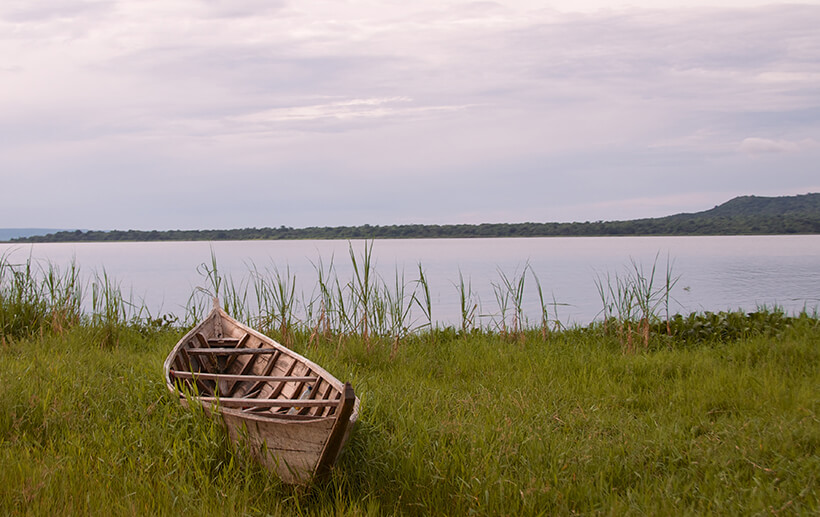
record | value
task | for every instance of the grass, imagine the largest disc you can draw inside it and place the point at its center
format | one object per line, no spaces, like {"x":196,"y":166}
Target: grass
{"x":470,"y":425}
{"x":717,"y":415}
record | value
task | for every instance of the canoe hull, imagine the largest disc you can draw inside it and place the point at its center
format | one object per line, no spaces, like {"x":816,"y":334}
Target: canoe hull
{"x":291,"y":449}
{"x":291,"y":415}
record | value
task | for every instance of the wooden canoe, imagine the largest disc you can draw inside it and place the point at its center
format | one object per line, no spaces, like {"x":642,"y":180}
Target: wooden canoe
{"x":294,"y":416}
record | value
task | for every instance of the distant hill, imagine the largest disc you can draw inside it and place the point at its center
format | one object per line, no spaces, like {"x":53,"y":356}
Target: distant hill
{"x":755,"y":206}
{"x":746,"y":215}
{"x":15,"y":233}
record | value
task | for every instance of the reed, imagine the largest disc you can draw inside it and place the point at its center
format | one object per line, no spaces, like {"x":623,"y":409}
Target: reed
{"x":21,"y":299}
{"x":36,"y":297}
{"x":468,"y":304}
{"x":327,"y":319}
{"x":40,"y":298}
{"x":511,"y":288}
{"x":109,"y":308}
{"x":233,"y":295}
{"x":346,"y":308}
{"x":632,"y":302}
{"x":363,"y":291}
{"x":423,"y":301}
{"x":276,"y":301}
{"x":64,"y":291}
{"x":670,"y":280}
{"x":645,"y":297}
{"x":545,"y":308}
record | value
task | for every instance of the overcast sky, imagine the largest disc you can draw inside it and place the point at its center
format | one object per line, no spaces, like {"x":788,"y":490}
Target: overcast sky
{"x":166,"y":114}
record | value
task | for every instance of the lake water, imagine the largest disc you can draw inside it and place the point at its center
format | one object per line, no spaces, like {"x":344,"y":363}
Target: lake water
{"x":716,"y":273}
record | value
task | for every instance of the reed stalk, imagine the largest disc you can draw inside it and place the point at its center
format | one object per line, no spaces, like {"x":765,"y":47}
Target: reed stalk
{"x":423,"y":301}
{"x":399,"y":303}
{"x":632,"y":301}
{"x":467,"y":303}
{"x":645,"y":297}
{"x":363,"y":288}
{"x":502,"y":298}
{"x":327,"y":320}
{"x":670,"y":281}
{"x":545,"y":308}
{"x":276,"y":294}
{"x":514,"y":289}
{"x":23,"y":307}
{"x":109,"y":308}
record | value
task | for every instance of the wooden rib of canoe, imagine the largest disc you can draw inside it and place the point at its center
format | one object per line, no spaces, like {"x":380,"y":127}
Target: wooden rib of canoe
{"x":294,"y":415}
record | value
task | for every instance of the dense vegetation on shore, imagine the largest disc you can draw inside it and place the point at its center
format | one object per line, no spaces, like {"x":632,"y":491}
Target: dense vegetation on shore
{"x":748,"y":215}
{"x":639,"y":413}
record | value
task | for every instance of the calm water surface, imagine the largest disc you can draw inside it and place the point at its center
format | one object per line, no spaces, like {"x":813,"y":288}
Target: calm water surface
{"x":716,"y":273}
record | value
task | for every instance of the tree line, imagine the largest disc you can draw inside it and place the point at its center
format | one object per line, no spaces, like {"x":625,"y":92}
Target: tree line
{"x":673,"y":225}
{"x":745,"y":215}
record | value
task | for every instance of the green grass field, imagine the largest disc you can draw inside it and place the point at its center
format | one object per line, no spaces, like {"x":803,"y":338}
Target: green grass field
{"x":450,"y":425}
{"x":699,"y":415}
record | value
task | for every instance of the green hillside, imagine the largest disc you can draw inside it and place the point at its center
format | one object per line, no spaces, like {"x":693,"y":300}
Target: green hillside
{"x":756,"y":206}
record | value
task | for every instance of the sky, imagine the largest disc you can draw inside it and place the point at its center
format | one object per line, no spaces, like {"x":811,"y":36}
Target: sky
{"x":196,"y":114}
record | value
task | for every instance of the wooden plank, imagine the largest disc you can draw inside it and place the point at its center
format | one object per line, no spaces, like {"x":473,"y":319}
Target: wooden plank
{"x":285,"y":446}
{"x":234,"y":377}
{"x":186,"y":361}
{"x":223,"y":340}
{"x":242,"y":402}
{"x":266,"y":372}
{"x":275,"y":393}
{"x":328,"y":390}
{"x":179,"y":362}
{"x":239,"y":344}
{"x":332,"y":409}
{"x":203,"y":388}
{"x":313,"y":391}
{"x":231,"y":351}
{"x":203,"y":342}
{"x":298,"y":393}
{"x":337,"y":435}
{"x":247,"y":367}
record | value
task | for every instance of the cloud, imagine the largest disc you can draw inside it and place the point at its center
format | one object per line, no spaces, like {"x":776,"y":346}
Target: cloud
{"x":333,"y":114}
{"x":512,"y":105}
{"x":23,"y":11}
{"x":754,"y":145}
{"x":240,"y":8}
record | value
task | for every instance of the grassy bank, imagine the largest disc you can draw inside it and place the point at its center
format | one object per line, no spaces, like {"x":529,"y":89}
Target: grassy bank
{"x":715,"y":414}
{"x":450,"y":424}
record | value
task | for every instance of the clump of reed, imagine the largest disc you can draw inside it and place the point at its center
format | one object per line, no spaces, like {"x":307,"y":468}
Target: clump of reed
{"x":38,"y":297}
{"x":35,"y":297}
{"x":468,"y":303}
{"x":111,"y":311}
{"x":380,"y":311}
{"x":635,"y":301}
{"x":510,"y":290}
{"x":367,"y":306}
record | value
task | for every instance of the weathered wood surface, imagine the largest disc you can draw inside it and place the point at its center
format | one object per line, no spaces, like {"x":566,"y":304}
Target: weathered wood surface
{"x":292,"y":414}
{"x":338,"y":434}
{"x":228,"y":377}
{"x":290,"y":448}
{"x":248,"y":402}
{"x":231,"y":351}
